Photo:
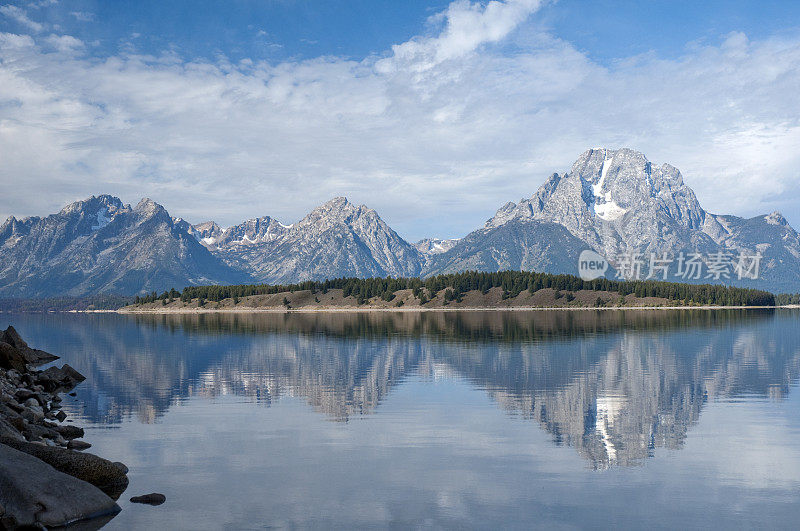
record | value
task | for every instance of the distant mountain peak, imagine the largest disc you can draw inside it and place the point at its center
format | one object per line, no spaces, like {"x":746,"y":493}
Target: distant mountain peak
{"x":776,"y":218}
{"x":253,"y":231}
{"x":431,"y":246}
{"x":147,"y":205}
{"x":611,"y":197}
{"x":92,"y":204}
{"x":337,"y":202}
{"x":618,"y":203}
{"x":99,"y":245}
{"x":335,"y":205}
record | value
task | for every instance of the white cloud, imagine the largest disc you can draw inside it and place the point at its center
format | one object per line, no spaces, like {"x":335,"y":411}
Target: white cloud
{"x":467,"y":26}
{"x":21,"y":16}
{"x":82,"y":16}
{"x":37,"y":4}
{"x":435,"y":135}
{"x":63,"y":43}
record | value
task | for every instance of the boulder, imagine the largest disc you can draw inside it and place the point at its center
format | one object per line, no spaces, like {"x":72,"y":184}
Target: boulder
{"x":69,"y":432}
{"x":31,"y":355}
{"x":66,"y":377}
{"x":12,"y":337}
{"x":75,"y":444}
{"x":34,"y":494}
{"x":22,"y":395}
{"x":11,"y":358}
{"x":10,"y":429}
{"x":102,"y":473}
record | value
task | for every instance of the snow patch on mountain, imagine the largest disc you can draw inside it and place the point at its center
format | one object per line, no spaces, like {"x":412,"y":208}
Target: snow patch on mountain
{"x":609,"y":210}
{"x":103,"y":219}
{"x":598,"y":188}
{"x":603,"y":205}
{"x":435,"y":245}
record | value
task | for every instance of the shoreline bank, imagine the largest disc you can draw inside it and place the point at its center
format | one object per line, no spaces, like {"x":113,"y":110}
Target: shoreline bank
{"x":166,"y":311}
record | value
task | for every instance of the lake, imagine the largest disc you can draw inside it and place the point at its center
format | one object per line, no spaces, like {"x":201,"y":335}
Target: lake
{"x":549,"y":419}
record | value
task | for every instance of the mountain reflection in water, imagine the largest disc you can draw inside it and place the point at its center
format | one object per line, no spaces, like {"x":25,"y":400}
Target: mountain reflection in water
{"x":613,"y":385}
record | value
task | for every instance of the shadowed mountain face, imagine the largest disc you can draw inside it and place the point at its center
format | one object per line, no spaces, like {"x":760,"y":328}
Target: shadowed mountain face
{"x":615,"y":386}
{"x":520,"y":245}
{"x":102,"y":246}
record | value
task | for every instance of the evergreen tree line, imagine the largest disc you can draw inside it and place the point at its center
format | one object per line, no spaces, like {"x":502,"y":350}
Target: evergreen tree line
{"x":787,"y":298}
{"x":457,"y":284}
{"x":62,"y":304}
{"x":166,"y":297}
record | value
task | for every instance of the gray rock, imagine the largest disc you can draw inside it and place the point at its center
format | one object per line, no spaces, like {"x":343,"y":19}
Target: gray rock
{"x":31,"y":402}
{"x":11,"y":358}
{"x":32,"y":356}
{"x":75,"y":444}
{"x":100,"y":472}
{"x":7,"y":429}
{"x":34,"y":493}
{"x":66,"y":377}
{"x":21,"y":395}
{"x":37,"y":431}
{"x":69,"y":432}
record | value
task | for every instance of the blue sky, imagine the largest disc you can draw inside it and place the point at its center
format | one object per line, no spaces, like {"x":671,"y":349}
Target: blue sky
{"x":280,"y":30}
{"x":434,"y":113}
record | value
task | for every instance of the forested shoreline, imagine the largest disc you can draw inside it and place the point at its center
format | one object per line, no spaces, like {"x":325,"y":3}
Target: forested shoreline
{"x":456,"y":285}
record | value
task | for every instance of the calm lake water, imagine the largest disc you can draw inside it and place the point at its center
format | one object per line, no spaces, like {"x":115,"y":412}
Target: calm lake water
{"x":632,"y":419}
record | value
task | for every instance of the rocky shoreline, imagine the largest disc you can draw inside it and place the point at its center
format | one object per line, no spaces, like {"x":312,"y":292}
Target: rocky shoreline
{"x":45,"y":478}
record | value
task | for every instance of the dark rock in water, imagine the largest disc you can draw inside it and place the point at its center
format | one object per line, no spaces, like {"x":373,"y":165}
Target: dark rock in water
{"x":66,"y":377}
{"x":153,"y":498}
{"x":33,"y":494}
{"x":11,"y":358}
{"x":73,"y":394}
{"x":69,"y":432}
{"x":100,"y":472}
{"x":75,"y":444}
{"x":31,"y":355}
{"x":47,"y":383}
{"x":60,"y":416}
{"x":12,"y":337}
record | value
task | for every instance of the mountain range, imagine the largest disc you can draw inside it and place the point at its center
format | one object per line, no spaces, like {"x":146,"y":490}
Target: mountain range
{"x":614,"y":202}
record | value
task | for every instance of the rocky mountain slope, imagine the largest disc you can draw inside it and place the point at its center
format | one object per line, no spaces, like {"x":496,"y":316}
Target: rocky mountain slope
{"x":336,"y":239}
{"x":102,"y":246}
{"x":621,"y":205}
{"x":520,"y":244}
